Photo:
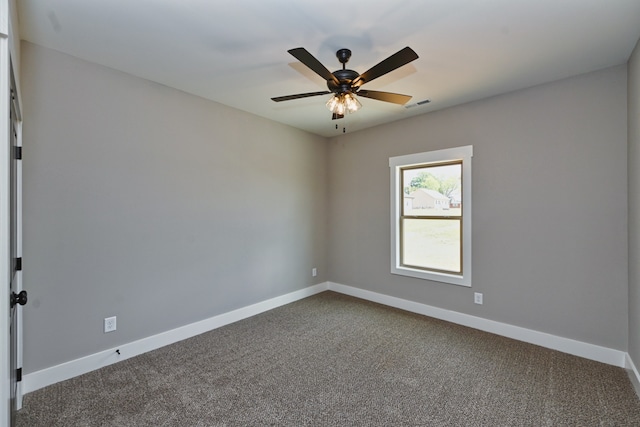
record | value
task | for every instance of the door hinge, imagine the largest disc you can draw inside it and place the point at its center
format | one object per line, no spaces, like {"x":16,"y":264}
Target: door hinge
{"x":18,"y":264}
{"x":18,"y":375}
{"x":17,"y":152}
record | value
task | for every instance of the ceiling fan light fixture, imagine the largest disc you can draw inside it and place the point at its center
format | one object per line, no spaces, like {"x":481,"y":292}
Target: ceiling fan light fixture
{"x":343,"y":103}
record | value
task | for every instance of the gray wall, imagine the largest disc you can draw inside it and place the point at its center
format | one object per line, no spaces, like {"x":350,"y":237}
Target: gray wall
{"x":155,"y":206}
{"x":549,"y":207}
{"x":634,"y":204}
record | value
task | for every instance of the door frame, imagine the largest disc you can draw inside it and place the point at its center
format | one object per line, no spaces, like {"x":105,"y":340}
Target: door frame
{"x":5,"y":227}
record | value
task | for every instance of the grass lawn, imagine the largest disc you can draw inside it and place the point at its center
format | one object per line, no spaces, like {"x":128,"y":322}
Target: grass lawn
{"x":432,"y":243}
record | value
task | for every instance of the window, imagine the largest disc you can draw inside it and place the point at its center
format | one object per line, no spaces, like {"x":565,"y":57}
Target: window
{"x":431,"y":215}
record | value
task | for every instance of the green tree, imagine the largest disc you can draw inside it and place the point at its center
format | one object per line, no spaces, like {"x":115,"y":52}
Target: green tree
{"x":425,"y":180}
{"x":448,"y":186}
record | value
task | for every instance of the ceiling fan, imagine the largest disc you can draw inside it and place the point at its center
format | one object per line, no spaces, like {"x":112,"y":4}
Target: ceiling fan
{"x":345,"y":84}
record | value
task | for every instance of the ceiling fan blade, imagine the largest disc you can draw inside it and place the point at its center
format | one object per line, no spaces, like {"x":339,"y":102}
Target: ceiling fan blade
{"x":310,"y":61}
{"x":396,"y":98}
{"x":299,"y":95}
{"x":336,"y":116}
{"x":396,"y":60}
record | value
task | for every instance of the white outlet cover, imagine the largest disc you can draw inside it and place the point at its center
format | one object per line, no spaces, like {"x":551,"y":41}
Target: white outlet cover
{"x":109,"y":324}
{"x":477,"y":298}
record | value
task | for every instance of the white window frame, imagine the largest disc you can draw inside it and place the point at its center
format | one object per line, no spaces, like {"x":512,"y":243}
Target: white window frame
{"x":464,"y":154}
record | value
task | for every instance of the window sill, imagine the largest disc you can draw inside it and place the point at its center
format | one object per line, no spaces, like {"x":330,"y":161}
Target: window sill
{"x":452,"y":279}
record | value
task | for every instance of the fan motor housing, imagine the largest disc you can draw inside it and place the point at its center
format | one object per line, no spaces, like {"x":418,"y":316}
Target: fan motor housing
{"x":345,"y":77}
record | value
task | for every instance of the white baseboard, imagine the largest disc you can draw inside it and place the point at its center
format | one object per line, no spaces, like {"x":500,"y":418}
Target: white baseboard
{"x":74,"y":368}
{"x":565,"y":345}
{"x":634,"y":375}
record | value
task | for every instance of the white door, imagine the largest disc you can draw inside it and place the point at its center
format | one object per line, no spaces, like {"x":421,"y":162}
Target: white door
{"x":10,"y":229}
{"x":17,"y":296}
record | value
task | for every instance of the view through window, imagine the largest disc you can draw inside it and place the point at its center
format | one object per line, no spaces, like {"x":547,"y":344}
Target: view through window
{"x":431,"y":220}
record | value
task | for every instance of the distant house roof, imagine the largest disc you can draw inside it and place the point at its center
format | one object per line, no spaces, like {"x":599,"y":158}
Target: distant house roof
{"x":433,"y":193}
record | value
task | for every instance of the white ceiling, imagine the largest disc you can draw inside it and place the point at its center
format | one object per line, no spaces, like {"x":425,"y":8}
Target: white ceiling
{"x":235,"y":52}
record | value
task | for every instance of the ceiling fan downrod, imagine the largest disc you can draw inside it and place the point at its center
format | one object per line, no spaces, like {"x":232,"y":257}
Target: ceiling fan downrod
{"x":343,"y":56}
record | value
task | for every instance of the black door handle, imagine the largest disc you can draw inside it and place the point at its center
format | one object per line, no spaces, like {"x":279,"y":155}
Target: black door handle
{"x":20,"y":298}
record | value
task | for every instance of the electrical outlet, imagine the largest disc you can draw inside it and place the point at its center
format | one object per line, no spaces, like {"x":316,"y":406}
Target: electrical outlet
{"x":477,"y":298}
{"x":109,"y":324}
{"x":314,"y":272}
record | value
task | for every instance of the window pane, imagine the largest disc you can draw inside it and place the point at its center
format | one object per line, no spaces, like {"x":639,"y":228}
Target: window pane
{"x":434,"y":190}
{"x":432,"y":244}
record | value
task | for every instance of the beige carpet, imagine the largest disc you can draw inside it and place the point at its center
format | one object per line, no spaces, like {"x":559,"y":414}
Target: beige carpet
{"x":333,"y":360}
